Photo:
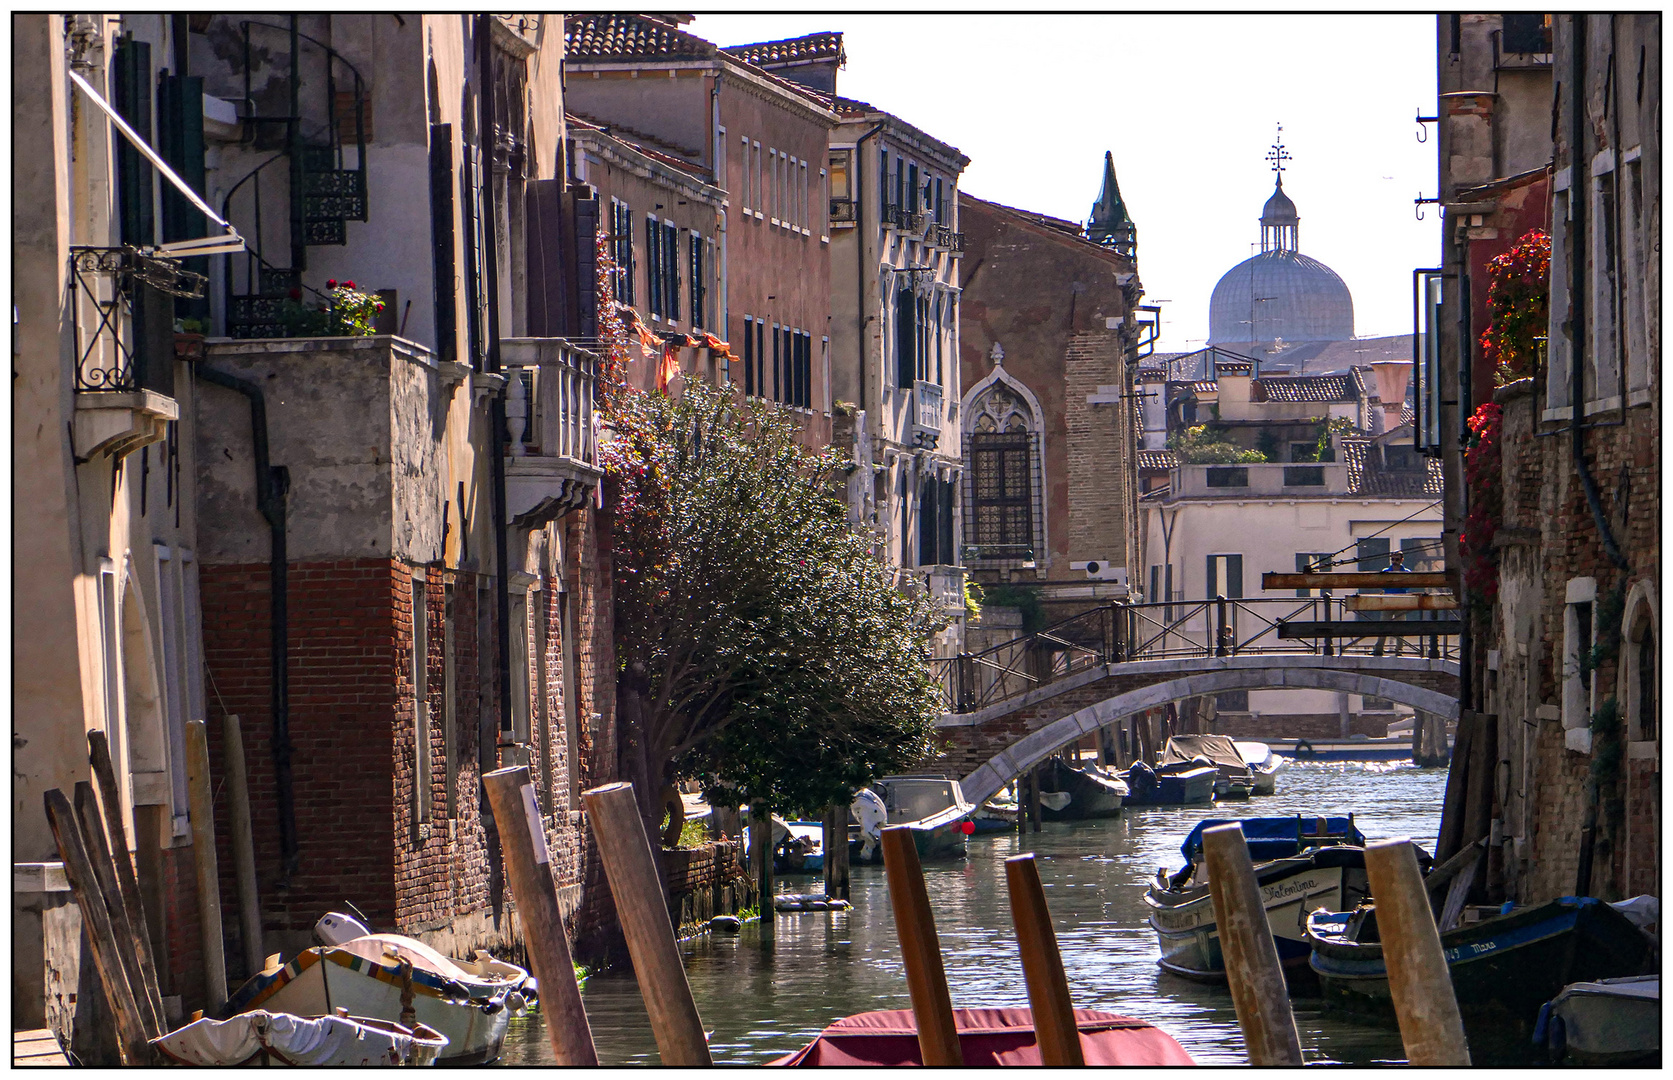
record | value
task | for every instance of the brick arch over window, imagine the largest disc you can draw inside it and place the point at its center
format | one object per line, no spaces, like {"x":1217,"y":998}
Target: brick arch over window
{"x":1004,"y":473}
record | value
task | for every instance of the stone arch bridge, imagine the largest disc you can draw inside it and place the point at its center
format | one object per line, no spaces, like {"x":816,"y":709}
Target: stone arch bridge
{"x":1014,"y":705}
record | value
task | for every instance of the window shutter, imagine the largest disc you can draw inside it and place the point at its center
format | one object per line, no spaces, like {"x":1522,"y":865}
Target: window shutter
{"x":441,"y":241}
{"x":1234,"y":576}
{"x":945,"y":520}
{"x":906,"y":335}
{"x":928,"y":531}
{"x":778,"y":373}
{"x":749,"y":356}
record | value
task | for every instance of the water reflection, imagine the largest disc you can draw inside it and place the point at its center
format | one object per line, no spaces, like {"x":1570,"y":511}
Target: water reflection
{"x":761,"y":1003}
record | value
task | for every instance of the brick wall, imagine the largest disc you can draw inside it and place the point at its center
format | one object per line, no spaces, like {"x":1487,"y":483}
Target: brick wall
{"x":1546,"y":506}
{"x":1101,"y":478}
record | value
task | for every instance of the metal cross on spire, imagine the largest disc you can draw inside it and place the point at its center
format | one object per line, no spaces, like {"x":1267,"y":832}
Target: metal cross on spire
{"x":1278,"y":155}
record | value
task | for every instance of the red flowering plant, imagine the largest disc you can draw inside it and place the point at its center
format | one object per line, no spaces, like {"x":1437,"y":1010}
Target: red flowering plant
{"x":346,"y":312}
{"x":1485,"y":483}
{"x":1518,"y":302}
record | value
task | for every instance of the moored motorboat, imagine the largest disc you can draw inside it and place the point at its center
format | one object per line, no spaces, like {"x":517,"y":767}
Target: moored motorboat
{"x":1092,"y":793}
{"x":934,"y":807}
{"x":1298,"y":867}
{"x":1263,"y":764}
{"x":470,"y":1002}
{"x":1606,"y":1022}
{"x":314,"y":1041}
{"x":998,"y":814}
{"x":1357,"y":748}
{"x":1173,"y":785}
{"x":986,"y":1037}
{"x":1502,"y":968}
{"x":1236,"y":780}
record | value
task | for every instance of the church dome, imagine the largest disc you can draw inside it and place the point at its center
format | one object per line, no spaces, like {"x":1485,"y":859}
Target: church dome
{"x":1282,"y":294}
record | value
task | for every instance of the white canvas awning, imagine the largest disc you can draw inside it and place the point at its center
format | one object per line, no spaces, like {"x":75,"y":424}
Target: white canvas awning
{"x":224,"y":244}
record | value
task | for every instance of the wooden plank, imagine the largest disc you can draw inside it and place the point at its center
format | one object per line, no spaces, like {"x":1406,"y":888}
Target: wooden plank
{"x":78,"y":868}
{"x":98,"y":755}
{"x":631,"y":870}
{"x":204,"y":860}
{"x":1418,"y":980}
{"x":920,"y":948}
{"x":1253,"y":972}
{"x":1407,"y":602}
{"x":1298,"y":629}
{"x":1357,"y":579}
{"x":129,"y":938}
{"x":243,"y":843}
{"x":1055,"y":1031}
{"x":529,"y":866}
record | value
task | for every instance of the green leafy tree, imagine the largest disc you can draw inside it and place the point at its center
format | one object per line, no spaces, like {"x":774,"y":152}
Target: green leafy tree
{"x":1205,"y":445}
{"x":763,"y":649}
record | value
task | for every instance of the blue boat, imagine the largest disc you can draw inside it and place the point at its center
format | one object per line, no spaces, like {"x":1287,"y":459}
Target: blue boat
{"x":1173,"y":785}
{"x":1503,"y":968}
{"x":1300,"y":864}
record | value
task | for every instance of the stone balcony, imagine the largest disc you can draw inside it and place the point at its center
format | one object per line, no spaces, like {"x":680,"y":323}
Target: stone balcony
{"x":552,"y":445}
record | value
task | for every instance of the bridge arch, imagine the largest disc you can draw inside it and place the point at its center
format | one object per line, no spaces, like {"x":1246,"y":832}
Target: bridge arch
{"x":1034,"y":747}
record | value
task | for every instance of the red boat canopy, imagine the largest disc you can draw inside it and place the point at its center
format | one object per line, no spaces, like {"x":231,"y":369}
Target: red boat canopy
{"x":988,"y":1037}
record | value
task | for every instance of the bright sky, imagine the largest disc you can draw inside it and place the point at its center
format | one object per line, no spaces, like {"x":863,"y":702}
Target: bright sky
{"x":1189,"y":105}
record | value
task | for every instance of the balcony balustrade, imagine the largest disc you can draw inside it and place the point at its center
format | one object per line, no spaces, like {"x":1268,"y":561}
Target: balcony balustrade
{"x":551,"y":444}
{"x":928,"y":413}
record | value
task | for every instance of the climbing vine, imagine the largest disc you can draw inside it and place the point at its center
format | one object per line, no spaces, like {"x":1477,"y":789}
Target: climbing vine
{"x":1518,"y":303}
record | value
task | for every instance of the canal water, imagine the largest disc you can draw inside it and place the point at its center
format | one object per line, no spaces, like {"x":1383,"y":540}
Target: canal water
{"x":761,"y":1003}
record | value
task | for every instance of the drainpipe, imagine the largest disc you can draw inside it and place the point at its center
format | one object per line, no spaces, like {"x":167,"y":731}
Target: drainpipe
{"x":272,"y":484}
{"x":496,"y":420}
{"x":860,"y":298}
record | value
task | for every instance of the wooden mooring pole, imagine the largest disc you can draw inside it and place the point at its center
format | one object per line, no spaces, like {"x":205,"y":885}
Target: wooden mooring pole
{"x":129,"y":937}
{"x":203,"y":858}
{"x":528,"y":864}
{"x":1252,"y":967}
{"x":243,"y":843}
{"x":631,"y":869}
{"x":98,"y":755}
{"x":1418,"y":980}
{"x":1055,"y":1030}
{"x":920,"y":948}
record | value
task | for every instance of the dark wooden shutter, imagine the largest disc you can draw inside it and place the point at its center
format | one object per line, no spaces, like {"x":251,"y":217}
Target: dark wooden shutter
{"x":180,"y":141}
{"x":671,"y":255}
{"x":945,"y":520}
{"x":906,"y":336}
{"x":442,"y":264}
{"x":928,"y":531}
{"x":749,"y":356}
{"x":1234,"y":576}
{"x":778,"y":373}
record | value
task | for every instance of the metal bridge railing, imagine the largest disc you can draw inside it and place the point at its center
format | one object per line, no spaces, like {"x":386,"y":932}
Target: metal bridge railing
{"x":1118,"y":633}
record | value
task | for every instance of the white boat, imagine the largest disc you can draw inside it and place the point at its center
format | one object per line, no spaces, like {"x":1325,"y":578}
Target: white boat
{"x":1296,"y":871}
{"x":469,"y":1002}
{"x":1263,"y":763}
{"x":1607,"y":1022}
{"x":300,"y":1040}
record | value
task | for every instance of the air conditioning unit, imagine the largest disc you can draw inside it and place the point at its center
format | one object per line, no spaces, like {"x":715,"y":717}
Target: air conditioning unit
{"x":1101,"y":570}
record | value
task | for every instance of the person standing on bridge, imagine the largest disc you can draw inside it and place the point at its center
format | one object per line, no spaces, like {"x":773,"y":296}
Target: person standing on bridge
{"x":1396,"y":565}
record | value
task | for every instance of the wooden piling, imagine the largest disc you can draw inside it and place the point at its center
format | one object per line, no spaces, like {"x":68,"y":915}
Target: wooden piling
{"x":203,"y":856}
{"x":631,"y":870}
{"x":835,"y":848}
{"x":920,"y":948}
{"x":528,"y":865}
{"x":761,"y":865}
{"x":127,"y":881}
{"x":243,"y":844}
{"x":129,"y":938}
{"x":1252,"y":968}
{"x":101,"y":936}
{"x":1034,"y":799}
{"x":1418,"y":980}
{"x":1042,"y":965}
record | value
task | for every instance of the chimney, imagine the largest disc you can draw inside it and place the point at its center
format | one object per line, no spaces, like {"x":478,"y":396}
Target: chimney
{"x":1234,"y":380}
{"x":1392,"y":378}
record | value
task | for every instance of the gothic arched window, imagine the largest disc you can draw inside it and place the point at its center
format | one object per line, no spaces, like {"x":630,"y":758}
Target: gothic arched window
{"x":1004,"y":481}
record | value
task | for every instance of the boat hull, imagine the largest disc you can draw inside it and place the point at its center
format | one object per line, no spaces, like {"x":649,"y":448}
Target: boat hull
{"x":1501,"y":967}
{"x":319,"y":981}
{"x":332,"y":1041}
{"x":1344,"y":749}
{"x":1615,"y":1022}
{"x":945,"y":840}
{"x":1187,"y":788}
{"x":1089,"y":797}
{"x":1188,"y":934}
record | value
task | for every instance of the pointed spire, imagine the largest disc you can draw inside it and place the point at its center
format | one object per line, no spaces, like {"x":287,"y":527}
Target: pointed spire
{"x":1109,"y":224}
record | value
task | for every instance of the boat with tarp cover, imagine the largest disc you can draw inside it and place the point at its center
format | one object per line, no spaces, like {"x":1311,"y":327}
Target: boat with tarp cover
{"x":1300,"y":864}
{"x":987,"y":1037}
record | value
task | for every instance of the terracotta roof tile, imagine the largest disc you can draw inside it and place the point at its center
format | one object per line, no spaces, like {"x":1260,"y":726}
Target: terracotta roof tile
{"x":602,"y":35}
{"x":1158,"y":459}
{"x":1366,"y":475}
{"x":1291,"y":388}
{"x":823,"y":46}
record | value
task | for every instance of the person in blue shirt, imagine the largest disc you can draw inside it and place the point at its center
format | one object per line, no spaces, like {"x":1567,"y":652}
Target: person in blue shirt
{"x":1396,"y":565}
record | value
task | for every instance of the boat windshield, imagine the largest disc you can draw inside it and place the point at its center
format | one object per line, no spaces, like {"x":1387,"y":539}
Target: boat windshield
{"x":914,"y":800}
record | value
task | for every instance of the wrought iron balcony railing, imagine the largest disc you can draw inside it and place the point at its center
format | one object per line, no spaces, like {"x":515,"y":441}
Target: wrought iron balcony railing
{"x":119,"y":348}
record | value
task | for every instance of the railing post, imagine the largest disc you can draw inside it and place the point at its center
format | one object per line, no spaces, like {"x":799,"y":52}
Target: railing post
{"x":1329,"y":645}
{"x":1220,"y":627}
